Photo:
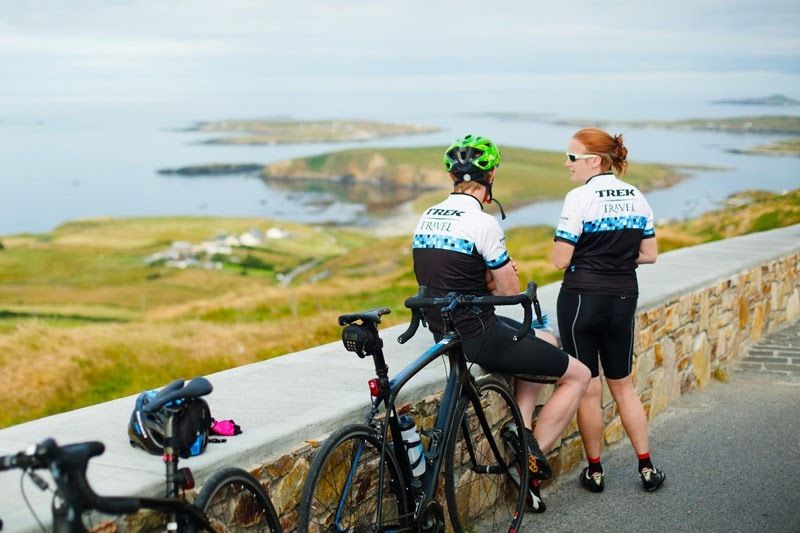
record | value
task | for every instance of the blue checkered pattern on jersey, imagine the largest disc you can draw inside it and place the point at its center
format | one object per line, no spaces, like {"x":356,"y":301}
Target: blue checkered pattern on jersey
{"x":614,"y":223}
{"x":499,"y":261}
{"x":440,"y":242}
{"x":566,"y":235}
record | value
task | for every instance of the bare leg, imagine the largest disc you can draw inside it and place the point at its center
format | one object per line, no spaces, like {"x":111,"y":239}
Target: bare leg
{"x":590,"y":419}
{"x":527,"y":395}
{"x":631,"y":412}
{"x":527,"y":392}
{"x":558,"y":410}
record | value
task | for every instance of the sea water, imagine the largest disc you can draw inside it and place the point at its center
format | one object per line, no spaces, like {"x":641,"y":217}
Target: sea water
{"x":71,"y":158}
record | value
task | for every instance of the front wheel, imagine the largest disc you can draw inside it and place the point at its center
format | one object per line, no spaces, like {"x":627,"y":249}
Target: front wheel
{"x":482,"y":469}
{"x":342,"y":493}
{"x":234,"y":501}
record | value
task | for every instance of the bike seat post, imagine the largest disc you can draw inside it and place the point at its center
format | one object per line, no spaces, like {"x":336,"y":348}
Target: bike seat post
{"x":381,"y":368}
{"x":170,"y":454}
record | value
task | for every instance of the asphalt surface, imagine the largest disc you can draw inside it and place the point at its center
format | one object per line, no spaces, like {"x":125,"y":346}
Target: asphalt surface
{"x":732,"y":458}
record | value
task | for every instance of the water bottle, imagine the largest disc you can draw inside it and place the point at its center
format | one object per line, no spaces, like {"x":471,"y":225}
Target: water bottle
{"x":413,"y":445}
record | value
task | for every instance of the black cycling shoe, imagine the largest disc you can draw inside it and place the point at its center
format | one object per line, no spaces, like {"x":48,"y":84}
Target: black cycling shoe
{"x":592,"y":482}
{"x":652,"y":478}
{"x":534,"y":498}
{"x":538,"y":466}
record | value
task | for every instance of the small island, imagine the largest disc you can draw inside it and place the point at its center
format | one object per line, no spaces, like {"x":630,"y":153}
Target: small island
{"x":268,"y":132}
{"x":790,"y":147}
{"x":212,"y":169}
{"x":774,"y":100}
{"x":767,"y":124}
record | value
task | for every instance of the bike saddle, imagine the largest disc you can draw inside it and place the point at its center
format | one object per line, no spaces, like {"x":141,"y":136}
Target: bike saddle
{"x":194,"y":389}
{"x":373,"y":316}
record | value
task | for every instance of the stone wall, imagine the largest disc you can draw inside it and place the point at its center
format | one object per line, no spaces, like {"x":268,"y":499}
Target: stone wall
{"x":680,"y":345}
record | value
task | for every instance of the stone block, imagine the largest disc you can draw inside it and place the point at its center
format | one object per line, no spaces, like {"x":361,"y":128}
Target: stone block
{"x":571,"y":430}
{"x":672,"y":317}
{"x":280,"y":467}
{"x":609,"y":412}
{"x":570,"y":454}
{"x":644,"y":339}
{"x":743,"y":311}
{"x":614,"y":431}
{"x":646,"y":361}
{"x":793,"y":306}
{"x":287,"y":493}
{"x":701,"y":360}
{"x":659,"y":392}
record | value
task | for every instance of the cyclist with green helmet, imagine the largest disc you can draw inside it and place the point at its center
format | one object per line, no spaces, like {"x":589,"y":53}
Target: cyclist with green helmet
{"x":457,"y":247}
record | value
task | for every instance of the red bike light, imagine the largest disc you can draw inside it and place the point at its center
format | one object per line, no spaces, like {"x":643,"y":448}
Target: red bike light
{"x":375,"y":387}
{"x":185,"y":479}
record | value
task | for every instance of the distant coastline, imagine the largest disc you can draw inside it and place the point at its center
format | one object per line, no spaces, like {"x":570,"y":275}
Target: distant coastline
{"x":778,"y":100}
{"x":271,"y":132}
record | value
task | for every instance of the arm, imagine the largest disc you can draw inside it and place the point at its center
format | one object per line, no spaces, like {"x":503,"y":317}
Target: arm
{"x":648,"y":251}
{"x":505,"y":281}
{"x":561,"y":254}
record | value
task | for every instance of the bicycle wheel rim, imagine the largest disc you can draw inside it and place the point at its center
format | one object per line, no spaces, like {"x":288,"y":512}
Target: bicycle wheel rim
{"x":341,"y":492}
{"x":234,"y":501}
{"x":480,"y":501}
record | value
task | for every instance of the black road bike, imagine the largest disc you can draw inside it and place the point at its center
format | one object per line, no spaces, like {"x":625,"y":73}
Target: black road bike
{"x":363,"y":478}
{"x":231,"y":499}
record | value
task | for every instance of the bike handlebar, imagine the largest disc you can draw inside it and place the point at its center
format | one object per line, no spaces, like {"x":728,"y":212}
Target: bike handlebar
{"x":453,"y":301}
{"x":72,"y":460}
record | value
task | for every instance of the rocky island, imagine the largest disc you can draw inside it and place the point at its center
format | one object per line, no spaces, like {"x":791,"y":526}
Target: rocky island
{"x":789,"y":147}
{"x":258,"y":132}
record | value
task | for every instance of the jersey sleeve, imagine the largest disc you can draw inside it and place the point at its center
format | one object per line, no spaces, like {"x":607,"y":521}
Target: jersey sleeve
{"x":570,"y":225}
{"x":492,"y":244}
{"x":649,"y":230}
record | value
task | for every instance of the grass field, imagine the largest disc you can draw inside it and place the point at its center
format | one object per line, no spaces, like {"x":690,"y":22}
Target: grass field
{"x":84,"y":320}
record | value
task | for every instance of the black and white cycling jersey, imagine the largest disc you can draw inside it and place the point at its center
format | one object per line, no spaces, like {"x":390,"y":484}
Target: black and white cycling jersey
{"x":455,"y":242}
{"x":606,"y":220}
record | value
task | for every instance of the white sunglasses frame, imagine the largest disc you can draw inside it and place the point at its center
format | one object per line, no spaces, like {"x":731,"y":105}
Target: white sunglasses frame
{"x":574,"y":157}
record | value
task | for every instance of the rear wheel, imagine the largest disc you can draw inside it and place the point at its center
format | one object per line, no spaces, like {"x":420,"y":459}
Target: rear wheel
{"x":483,"y":490}
{"x":234,"y":501}
{"x":342,"y":493}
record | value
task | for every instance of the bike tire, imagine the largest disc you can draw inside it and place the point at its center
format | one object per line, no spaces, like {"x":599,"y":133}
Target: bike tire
{"x":484,"y":501}
{"x":235,"y":501}
{"x":340,"y":492}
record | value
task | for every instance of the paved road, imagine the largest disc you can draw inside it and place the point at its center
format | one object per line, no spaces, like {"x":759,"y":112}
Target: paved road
{"x":731,"y":454}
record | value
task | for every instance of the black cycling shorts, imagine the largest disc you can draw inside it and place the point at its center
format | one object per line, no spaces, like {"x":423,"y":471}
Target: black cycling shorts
{"x":530,"y":359}
{"x":597,"y":324}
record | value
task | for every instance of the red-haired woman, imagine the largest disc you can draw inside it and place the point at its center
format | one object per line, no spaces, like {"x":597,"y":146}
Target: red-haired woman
{"x":605,"y":231}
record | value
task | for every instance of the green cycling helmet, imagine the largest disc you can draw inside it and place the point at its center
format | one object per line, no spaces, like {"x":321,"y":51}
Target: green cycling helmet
{"x":471,"y":152}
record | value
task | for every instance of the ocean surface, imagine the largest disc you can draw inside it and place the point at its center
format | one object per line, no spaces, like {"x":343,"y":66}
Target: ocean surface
{"x":73,"y":158}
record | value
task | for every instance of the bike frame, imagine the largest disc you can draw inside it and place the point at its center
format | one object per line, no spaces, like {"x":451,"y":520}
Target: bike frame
{"x":459,"y":381}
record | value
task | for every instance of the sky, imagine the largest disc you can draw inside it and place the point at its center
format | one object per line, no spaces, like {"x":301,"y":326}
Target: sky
{"x":136,"y":49}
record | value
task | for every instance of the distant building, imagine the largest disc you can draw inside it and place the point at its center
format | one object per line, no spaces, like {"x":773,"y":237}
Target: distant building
{"x":254,"y":237}
{"x":277,"y":233}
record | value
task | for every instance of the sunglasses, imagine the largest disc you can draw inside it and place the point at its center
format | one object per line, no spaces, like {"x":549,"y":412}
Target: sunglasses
{"x":575,"y":157}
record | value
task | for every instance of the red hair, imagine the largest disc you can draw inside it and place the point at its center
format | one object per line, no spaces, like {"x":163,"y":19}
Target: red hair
{"x":610,"y":149}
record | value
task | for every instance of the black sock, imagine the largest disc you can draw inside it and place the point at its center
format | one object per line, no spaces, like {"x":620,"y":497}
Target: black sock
{"x":644,"y":461}
{"x":595,"y":466}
